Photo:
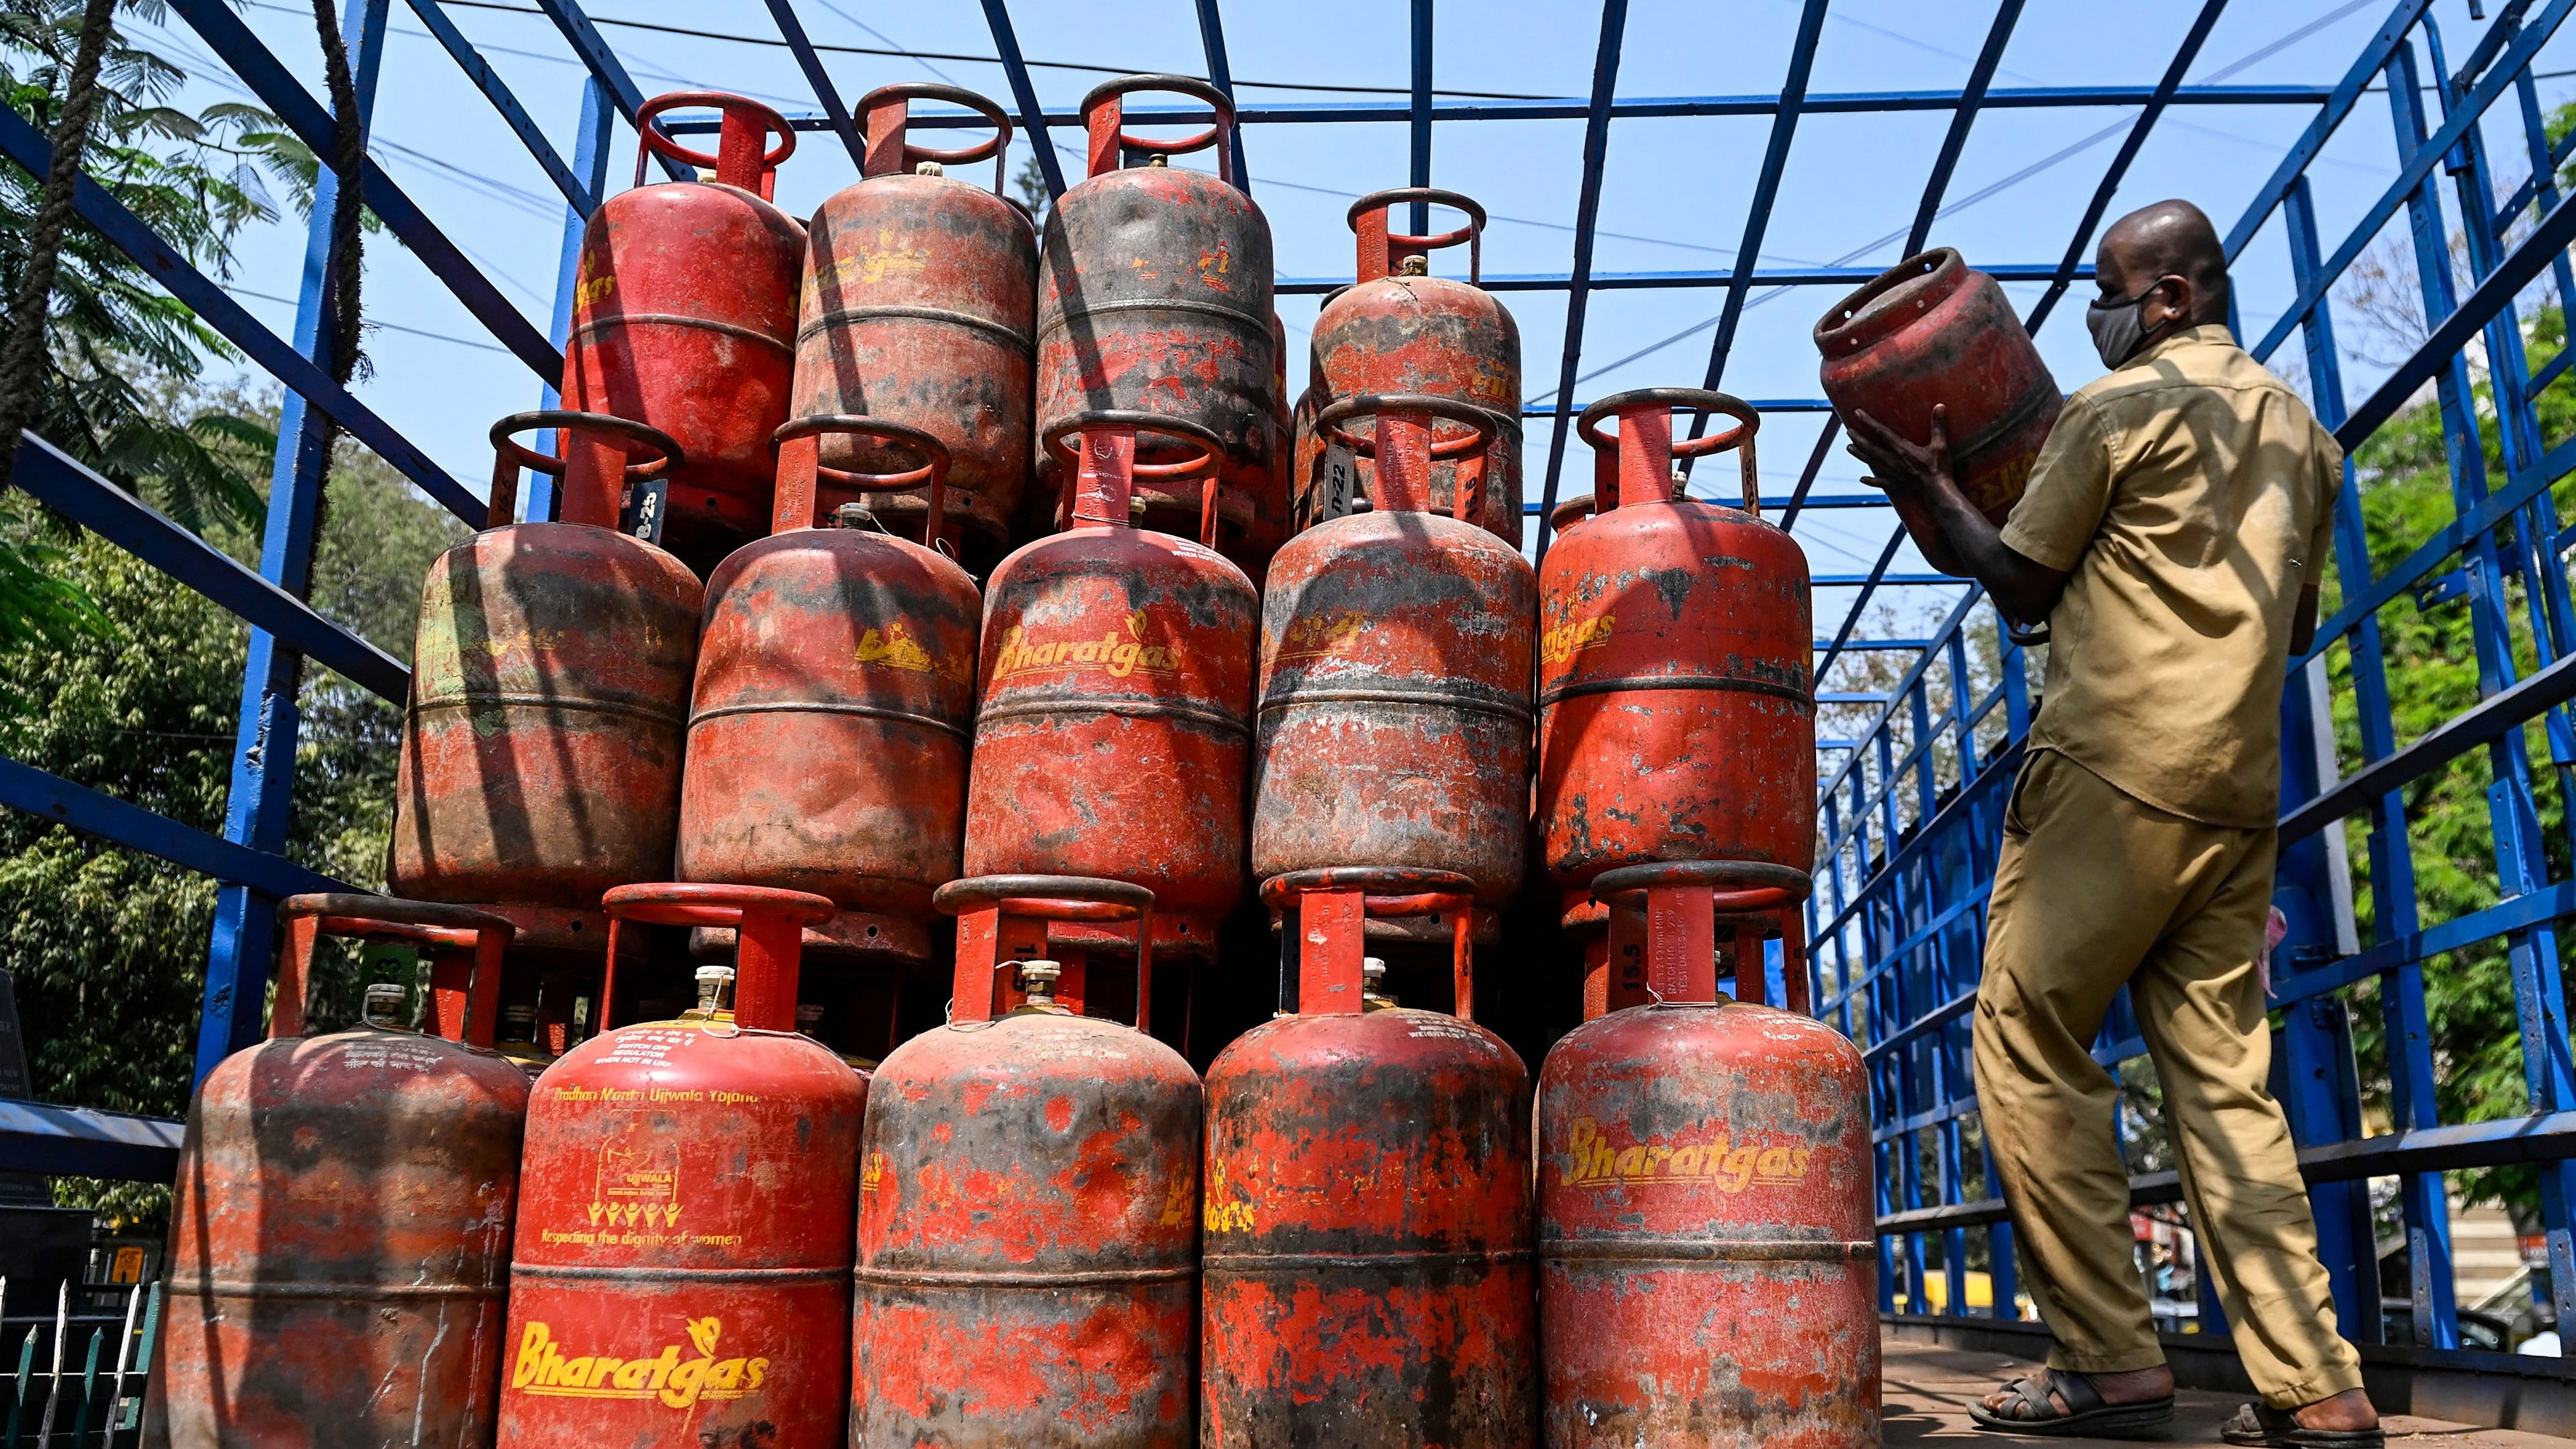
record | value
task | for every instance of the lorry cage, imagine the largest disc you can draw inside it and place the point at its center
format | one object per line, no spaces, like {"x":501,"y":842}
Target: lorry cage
{"x":1912,"y":797}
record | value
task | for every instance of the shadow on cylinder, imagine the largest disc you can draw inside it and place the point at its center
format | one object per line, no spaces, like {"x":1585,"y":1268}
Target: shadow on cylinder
{"x":1028,"y":1204}
{"x":1367,"y":1274}
{"x":834,"y":702}
{"x":341,"y":1231}
{"x":1708,"y":1256}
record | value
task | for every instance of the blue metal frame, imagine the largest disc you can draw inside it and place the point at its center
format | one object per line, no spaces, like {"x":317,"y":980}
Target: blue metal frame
{"x":1911,"y":802}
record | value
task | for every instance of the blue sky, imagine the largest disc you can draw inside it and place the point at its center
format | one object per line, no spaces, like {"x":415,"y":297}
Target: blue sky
{"x":1675,"y":191}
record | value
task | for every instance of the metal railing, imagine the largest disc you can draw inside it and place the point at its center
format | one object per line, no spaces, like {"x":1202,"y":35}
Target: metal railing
{"x":76,"y":1381}
{"x":1913,"y":799}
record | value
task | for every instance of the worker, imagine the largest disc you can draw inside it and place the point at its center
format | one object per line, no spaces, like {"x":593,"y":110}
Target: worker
{"x":2172,"y":535}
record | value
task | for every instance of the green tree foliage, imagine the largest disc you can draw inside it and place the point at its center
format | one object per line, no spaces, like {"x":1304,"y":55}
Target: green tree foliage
{"x":108,"y":946}
{"x":2404,"y":480}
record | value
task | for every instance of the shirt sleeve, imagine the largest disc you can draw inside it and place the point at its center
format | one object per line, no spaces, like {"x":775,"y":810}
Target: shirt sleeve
{"x":2069,"y":490}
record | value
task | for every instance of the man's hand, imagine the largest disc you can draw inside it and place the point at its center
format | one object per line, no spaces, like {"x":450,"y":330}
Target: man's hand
{"x":1915,"y":471}
{"x":1917,"y":475}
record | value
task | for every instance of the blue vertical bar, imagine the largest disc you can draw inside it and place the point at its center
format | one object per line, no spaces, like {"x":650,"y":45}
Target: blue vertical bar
{"x":590,"y":163}
{"x":1420,"y":171}
{"x":261,"y":796}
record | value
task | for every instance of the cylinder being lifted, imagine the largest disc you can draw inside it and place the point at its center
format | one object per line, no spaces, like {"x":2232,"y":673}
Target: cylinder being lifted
{"x":550,"y":685}
{"x":1028,"y":1244}
{"x":684,"y":318}
{"x":834,"y":698}
{"x":1931,"y":332}
{"x":1676,"y":698}
{"x":681,"y":1272}
{"x":1112,"y":738}
{"x":919,"y":308}
{"x":1395,"y":677}
{"x":1367,"y":1204}
{"x":1154,"y":295}
{"x":339,"y":1255}
{"x":1399,"y":329}
{"x":1708,"y":1257}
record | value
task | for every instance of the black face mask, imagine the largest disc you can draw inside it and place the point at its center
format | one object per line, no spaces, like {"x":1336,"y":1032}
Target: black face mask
{"x":2119,"y":326}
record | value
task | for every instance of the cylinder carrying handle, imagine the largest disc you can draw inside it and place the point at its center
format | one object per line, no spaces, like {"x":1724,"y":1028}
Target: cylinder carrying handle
{"x":1403,"y":445}
{"x":1104,"y":114}
{"x":1333,"y":905}
{"x":739,"y":160}
{"x":997,"y":913}
{"x":769,"y":938}
{"x":1103,"y":470}
{"x":801,"y":470}
{"x":885,"y":119}
{"x":509,"y":455}
{"x":1646,"y":447}
{"x":445,"y":929}
{"x":1383,"y":252}
{"x":1684,"y":899}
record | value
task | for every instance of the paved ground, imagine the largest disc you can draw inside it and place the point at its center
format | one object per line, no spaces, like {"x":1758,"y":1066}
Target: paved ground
{"x":1927,"y":1390}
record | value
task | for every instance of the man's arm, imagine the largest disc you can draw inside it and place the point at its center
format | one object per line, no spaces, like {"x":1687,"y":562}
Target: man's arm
{"x":2303,"y":626}
{"x":2025,"y":589}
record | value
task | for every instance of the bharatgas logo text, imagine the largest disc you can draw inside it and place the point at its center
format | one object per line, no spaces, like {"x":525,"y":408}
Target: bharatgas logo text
{"x":1118,"y":657}
{"x":1592,"y":1159}
{"x":1311,"y":636}
{"x":897,"y":648}
{"x":542,"y":1368}
{"x":1565,"y":641}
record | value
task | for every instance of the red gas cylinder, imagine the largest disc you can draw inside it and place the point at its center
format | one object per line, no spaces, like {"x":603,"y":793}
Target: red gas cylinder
{"x":1933,"y":332}
{"x":340,"y":1238}
{"x":835,"y":693}
{"x":1395,"y":678}
{"x":1704,"y":1203}
{"x":550,"y":684}
{"x":1028,"y":1196}
{"x":919,"y":307}
{"x":1676,"y":698}
{"x":1112,"y":739}
{"x":1402,"y":330}
{"x":1367,"y":1255}
{"x":683,"y":1256}
{"x":1154,"y":296}
{"x":684,"y":317}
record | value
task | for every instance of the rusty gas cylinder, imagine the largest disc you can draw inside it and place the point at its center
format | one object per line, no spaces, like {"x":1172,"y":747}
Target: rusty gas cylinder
{"x":341,"y":1232}
{"x":1028,"y":1206}
{"x":1708,"y":1273}
{"x":1401,"y":330}
{"x":684,"y":317}
{"x":1154,"y":296}
{"x":1676,"y":697}
{"x":682,"y":1268}
{"x":550,"y":685}
{"x":1368,"y":1227}
{"x":835,"y":693}
{"x":1112,"y":739}
{"x":1930,"y":332}
{"x":919,"y":307}
{"x":1395,"y":678}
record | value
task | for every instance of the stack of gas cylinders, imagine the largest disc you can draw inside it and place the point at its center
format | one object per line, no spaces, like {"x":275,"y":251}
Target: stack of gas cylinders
{"x":695,"y":774}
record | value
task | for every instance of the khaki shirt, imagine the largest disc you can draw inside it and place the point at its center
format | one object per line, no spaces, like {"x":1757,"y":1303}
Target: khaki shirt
{"x":2192,"y":494}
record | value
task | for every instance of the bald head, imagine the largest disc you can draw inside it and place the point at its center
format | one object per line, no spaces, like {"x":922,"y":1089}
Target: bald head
{"x":2172,"y":247}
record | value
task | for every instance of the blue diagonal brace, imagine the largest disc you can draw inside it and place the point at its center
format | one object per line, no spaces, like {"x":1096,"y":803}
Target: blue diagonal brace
{"x":94,"y":812}
{"x":1033,"y":117}
{"x":602,"y":62}
{"x":2294,"y":163}
{"x":259,"y":68}
{"x":2184,"y":55}
{"x":127,"y":232}
{"x":1220,"y":75}
{"x":825,"y":93}
{"x":513,"y":115}
{"x":1587,"y":211}
{"x":60,"y":482}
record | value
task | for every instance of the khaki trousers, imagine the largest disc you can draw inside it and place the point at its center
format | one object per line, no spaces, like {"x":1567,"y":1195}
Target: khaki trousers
{"x":2096,"y":889}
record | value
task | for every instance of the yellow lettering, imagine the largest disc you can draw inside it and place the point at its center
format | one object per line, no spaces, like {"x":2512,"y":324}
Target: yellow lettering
{"x":573,"y":1375}
{"x":530,"y":1366}
{"x":1686,"y":1162}
{"x":1122,"y":660}
{"x":632,"y":1373}
{"x":1738,"y":1169}
{"x":751,"y":1374}
{"x":1774,"y":1162}
{"x":1631,"y":1161}
{"x":681,"y":1389}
